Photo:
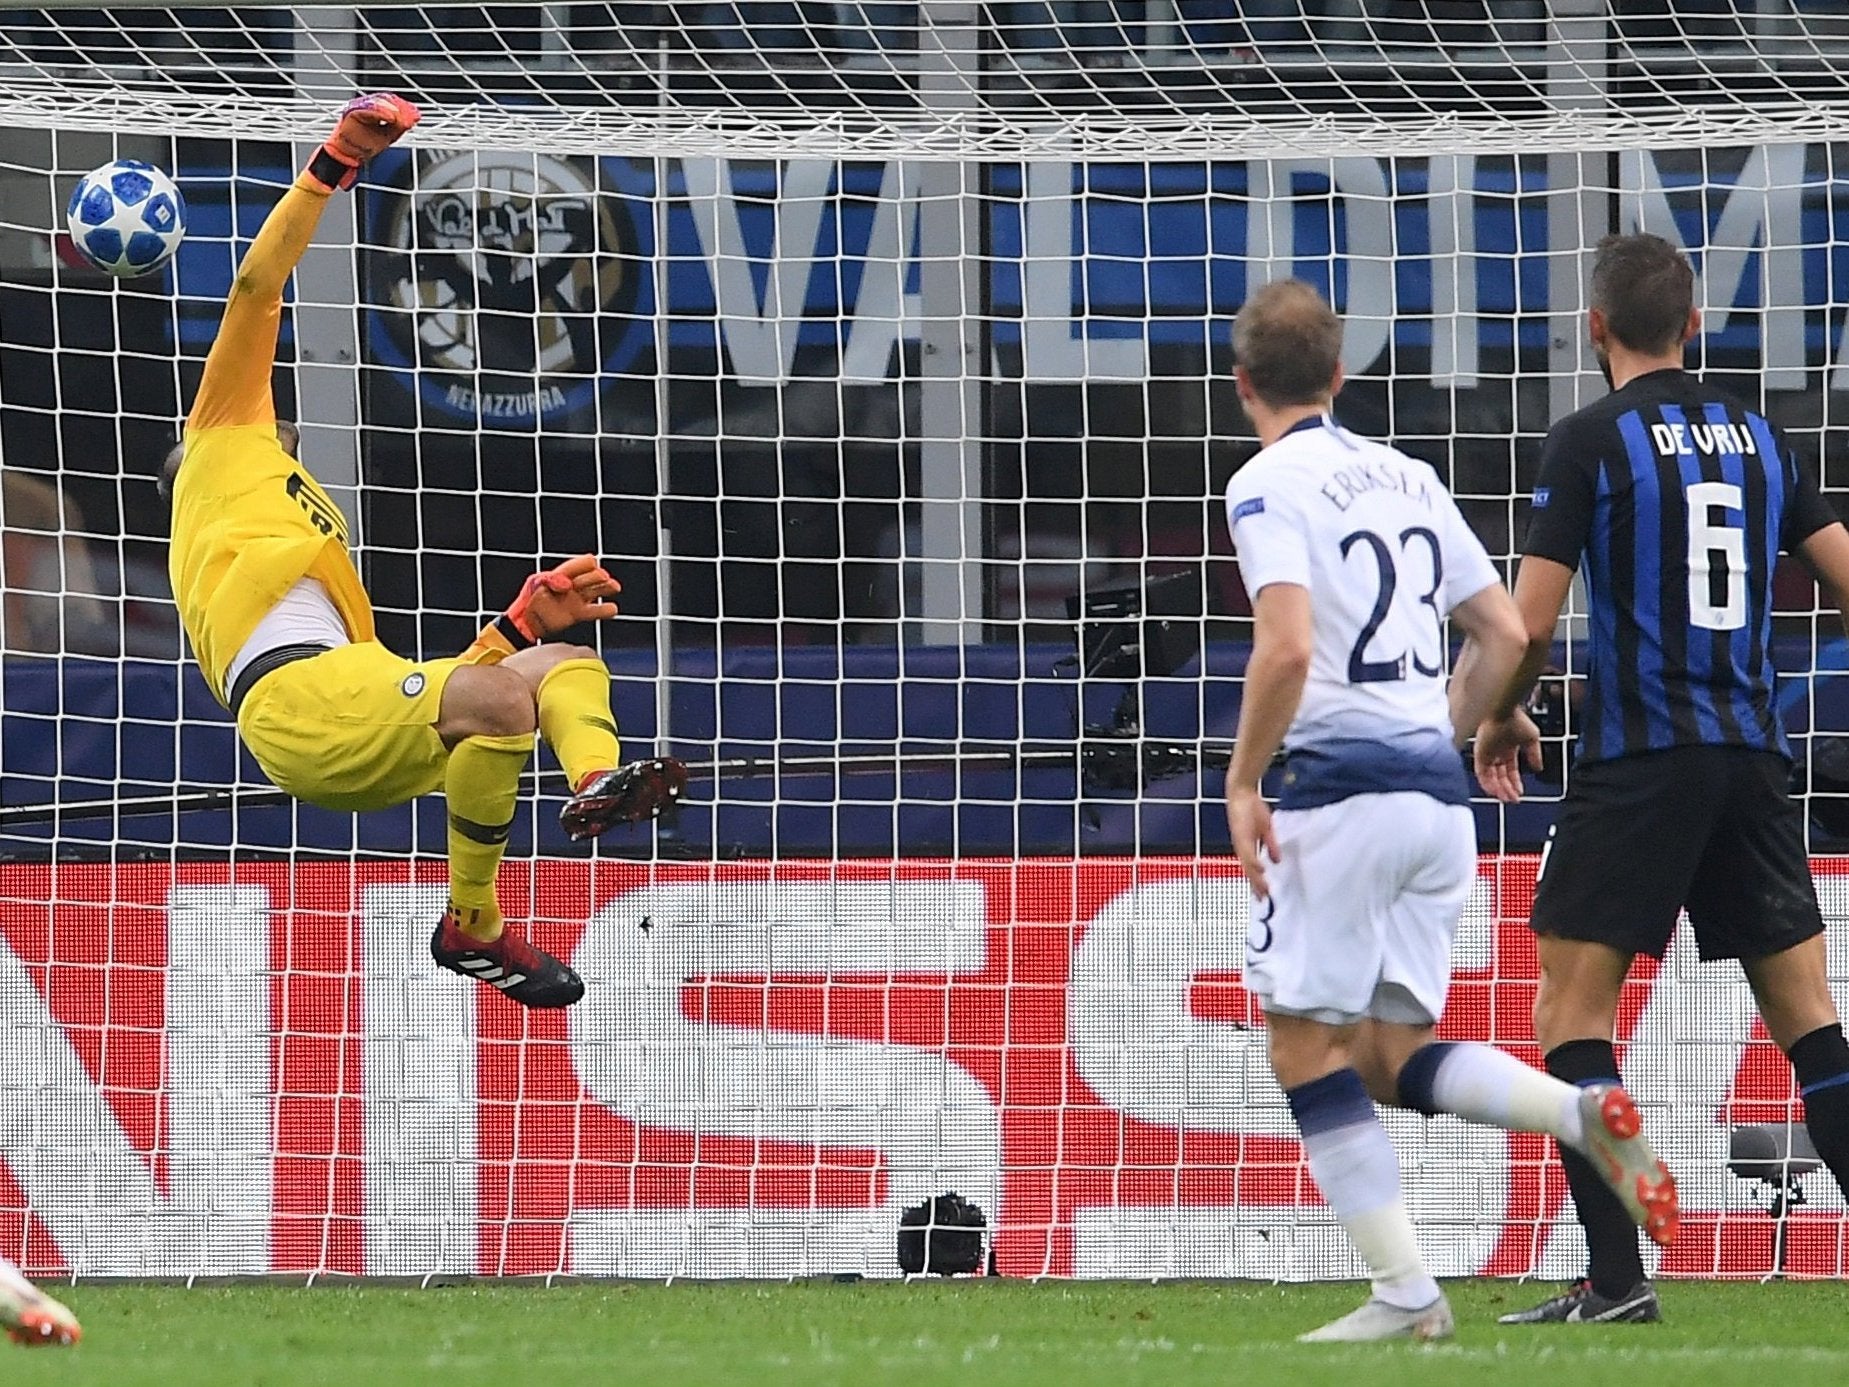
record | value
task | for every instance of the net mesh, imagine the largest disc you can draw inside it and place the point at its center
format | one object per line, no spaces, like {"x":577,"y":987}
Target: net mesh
{"x":884,"y":354}
{"x":1185,"y":79}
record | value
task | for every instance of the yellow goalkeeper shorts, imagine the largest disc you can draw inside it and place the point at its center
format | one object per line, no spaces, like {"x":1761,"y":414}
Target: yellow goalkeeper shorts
{"x":351,"y":729}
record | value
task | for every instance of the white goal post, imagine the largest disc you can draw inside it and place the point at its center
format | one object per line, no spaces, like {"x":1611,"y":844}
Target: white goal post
{"x":948,"y":79}
{"x":884,"y":352}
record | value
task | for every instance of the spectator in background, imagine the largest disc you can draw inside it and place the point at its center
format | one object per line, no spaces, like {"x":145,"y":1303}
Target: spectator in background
{"x":52,"y":601}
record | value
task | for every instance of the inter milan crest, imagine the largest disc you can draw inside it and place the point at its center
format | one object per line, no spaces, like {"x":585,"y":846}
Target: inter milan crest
{"x":505,"y":290}
{"x":413,"y":685}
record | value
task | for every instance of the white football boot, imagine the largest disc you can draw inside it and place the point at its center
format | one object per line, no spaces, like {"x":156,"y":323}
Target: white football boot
{"x":31,"y":1317}
{"x":1616,"y":1146}
{"x":1379,"y":1320}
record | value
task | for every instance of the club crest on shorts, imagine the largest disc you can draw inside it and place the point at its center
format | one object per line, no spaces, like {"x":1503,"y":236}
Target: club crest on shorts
{"x":413,"y":685}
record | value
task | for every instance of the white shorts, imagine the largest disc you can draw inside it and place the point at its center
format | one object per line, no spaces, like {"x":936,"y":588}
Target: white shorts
{"x":1362,"y":910}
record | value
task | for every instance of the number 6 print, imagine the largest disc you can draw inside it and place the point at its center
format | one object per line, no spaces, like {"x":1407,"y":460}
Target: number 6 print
{"x":1705,"y":540}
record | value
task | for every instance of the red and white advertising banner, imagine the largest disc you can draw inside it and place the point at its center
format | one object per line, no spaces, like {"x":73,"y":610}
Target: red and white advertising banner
{"x":223,"y":1070}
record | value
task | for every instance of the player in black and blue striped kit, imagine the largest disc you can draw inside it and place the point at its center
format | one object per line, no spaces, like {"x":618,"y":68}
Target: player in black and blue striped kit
{"x":1679,"y":498}
{"x":1675,"y":499}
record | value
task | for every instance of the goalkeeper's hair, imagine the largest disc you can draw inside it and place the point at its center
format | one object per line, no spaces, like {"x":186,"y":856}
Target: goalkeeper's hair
{"x":1289,"y":341}
{"x":1645,"y":288}
{"x":287,"y":434}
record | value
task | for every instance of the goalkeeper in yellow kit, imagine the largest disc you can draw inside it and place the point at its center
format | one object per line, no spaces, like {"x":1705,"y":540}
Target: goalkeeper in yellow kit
{"x":283,"y":631}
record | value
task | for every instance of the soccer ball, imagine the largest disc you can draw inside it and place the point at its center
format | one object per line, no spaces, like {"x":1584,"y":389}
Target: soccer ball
{"x":127,"y":218}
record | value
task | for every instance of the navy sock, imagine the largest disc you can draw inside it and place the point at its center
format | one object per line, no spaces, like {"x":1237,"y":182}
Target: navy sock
{"x":1821,"y":1062}
{"x":1359,"y":1174}
{"x":1419,"y":1075}
{"x":1333,"y":1101}
{"x":1611,"y":1238}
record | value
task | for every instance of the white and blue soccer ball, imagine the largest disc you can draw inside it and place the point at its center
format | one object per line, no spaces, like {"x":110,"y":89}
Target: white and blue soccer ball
{"x":127,"y":218}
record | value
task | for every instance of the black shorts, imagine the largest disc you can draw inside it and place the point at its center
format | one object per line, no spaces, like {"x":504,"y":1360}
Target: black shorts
{"x":1710,"y":828}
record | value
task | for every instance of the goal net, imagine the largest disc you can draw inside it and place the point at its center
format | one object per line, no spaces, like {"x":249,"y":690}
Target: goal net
{"x":883,"y":352}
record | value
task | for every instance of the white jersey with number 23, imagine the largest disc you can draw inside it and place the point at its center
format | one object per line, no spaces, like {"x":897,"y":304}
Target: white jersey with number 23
{"x":1380,"y":545}
{"x":1377,"y":844}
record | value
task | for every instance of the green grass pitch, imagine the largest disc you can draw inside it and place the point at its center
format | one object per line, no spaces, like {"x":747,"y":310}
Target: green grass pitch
{"x":971,"y":1334}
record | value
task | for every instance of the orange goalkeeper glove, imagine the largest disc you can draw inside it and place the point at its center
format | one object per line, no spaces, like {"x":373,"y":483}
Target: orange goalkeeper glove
{"x":368,"y":126}
{"x":549,"y":604}
{"x":555,"y":601}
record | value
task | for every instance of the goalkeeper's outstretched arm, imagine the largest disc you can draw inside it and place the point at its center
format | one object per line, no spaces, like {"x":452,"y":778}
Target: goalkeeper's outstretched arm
{"x":235,"y":389}
{"x":236,"y":386}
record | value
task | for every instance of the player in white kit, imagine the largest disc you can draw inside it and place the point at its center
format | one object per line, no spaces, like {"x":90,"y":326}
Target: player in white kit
{"x":29,"y":1316}
{"x":1355,"y":555}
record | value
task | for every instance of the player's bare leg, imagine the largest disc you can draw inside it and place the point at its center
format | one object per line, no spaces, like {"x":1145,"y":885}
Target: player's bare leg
{"x":1577,"y":996}
{"x":31,"y":1317}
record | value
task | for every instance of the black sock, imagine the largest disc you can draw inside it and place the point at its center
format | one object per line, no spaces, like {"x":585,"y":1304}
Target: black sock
{"x":1821,"y":1062}
{"x":1611,"y":1237}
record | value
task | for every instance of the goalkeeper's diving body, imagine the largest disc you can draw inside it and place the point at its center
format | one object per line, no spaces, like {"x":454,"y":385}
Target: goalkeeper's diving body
{"x":283,"y":630}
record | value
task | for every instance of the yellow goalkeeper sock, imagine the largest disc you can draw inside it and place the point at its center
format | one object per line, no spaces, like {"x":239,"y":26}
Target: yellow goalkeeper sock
{"x":481,"y":785}
{"x":575,"y":718}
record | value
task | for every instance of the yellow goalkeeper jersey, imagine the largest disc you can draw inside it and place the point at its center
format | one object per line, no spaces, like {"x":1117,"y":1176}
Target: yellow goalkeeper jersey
{"x":248,"y":524}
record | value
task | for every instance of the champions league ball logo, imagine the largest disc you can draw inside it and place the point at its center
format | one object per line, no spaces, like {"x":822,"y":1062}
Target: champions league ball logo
{"x":506,"y":288}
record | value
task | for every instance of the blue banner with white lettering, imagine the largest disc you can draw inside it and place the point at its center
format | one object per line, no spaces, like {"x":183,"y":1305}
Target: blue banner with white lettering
{"x":510,"y":290}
